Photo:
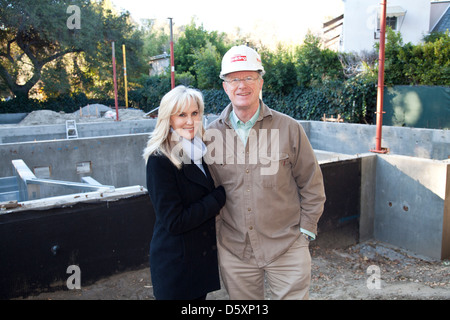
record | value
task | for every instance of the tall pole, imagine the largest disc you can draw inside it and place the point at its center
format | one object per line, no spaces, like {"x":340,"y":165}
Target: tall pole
{"x":172,"y":59}
{"x":125,"y":75}
{"x":115,"y":81}
{"x":380,"y":88}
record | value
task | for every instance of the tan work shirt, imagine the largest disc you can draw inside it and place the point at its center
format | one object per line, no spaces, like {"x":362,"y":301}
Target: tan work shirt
{"x":274,"y":184}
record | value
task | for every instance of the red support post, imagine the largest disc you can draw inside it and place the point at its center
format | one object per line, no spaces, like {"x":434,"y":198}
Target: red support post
{"x":380,"y":88}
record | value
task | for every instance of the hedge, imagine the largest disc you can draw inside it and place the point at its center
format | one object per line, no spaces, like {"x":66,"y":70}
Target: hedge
{"x":354,"y":100}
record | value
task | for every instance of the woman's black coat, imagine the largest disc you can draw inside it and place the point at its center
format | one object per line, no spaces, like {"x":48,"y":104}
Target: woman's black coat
{"x":183,"y":252}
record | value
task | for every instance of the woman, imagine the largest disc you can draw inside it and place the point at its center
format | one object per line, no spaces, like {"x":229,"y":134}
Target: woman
{"x":183,"y":253}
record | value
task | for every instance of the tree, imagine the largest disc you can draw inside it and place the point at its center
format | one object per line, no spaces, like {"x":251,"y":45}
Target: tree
{"x":316,"y":65}
{"x":426,"y":63}
{"x":34,"y":34}
{"x":191,"y":41}
{"x":281,"y":76}
{"x":207,"y":67}
{"x":393,"y":63}
{"x":155,"y":38}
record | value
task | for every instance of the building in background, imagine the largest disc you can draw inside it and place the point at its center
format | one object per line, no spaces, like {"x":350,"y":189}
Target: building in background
{"x":358,"y":28}
{"x":158,"y":64}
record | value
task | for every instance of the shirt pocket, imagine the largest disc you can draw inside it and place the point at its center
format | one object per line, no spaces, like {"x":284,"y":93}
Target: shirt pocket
{"x":274,"y":169}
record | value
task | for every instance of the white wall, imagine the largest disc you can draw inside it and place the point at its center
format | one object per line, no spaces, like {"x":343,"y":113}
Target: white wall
{"x":360,"y":22}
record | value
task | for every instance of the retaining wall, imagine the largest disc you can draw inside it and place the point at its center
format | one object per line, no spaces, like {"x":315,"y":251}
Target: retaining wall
{"x":346,"y":138}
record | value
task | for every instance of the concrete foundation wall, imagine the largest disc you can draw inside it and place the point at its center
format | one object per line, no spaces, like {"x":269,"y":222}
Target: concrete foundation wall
{"x":112,"y":160}
{"x":344,"y":138}
{"x":12,"y":118}
{"x":388,"y":183}
{"x":102,"y":235}
{"x":360,"y":138}
{"x":15,"y":134}
{"x":412,"y":204}
{"x":368,"y":192}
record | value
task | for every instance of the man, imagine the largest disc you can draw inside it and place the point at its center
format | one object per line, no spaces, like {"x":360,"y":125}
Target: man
{"x":274,"y":187}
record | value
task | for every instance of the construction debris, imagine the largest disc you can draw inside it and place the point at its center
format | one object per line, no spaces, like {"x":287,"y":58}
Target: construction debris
{"x":332,"y":118}
{"x":9,"y":205}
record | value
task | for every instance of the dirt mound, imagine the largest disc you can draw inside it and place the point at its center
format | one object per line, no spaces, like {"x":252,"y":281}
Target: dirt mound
{"x":90,"y":113}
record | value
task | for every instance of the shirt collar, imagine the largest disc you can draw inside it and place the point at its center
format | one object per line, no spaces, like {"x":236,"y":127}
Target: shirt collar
{"x":237,"y":122}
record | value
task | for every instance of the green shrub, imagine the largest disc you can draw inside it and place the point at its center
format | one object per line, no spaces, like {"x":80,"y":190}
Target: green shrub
{"x":354,"y":100}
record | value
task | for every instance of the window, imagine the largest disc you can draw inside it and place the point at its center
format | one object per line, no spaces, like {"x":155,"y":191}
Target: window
{"x":390,"y":22}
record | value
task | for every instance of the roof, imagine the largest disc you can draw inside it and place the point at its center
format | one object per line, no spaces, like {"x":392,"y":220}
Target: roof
{"x":395,"y":11}
{"x":444,"y":23}
{"x":159,"y":57}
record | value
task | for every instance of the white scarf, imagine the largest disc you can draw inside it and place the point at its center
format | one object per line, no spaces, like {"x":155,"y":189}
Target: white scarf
{"x":195,"y":149}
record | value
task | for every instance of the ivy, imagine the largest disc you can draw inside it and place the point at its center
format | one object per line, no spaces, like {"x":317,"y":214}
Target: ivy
{"x":355,"y":101}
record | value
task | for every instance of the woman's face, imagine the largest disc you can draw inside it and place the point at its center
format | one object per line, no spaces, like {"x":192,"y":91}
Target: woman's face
{"x":187,"y":123}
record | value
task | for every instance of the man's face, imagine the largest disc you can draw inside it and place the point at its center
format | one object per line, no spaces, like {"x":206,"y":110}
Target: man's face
{"x":243,"y":94}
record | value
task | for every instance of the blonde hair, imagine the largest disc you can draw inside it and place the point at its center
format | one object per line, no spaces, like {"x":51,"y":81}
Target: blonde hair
{"x":173,"y":102}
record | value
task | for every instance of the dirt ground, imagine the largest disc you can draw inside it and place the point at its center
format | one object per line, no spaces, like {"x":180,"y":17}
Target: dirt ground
{"x":366,"y":271}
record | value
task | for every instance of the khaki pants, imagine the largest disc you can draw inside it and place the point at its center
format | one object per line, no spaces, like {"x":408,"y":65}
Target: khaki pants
{"x":288,"y":277}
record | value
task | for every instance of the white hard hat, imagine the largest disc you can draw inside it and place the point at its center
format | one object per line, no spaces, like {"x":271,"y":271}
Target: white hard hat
{"x":241,"y":58}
